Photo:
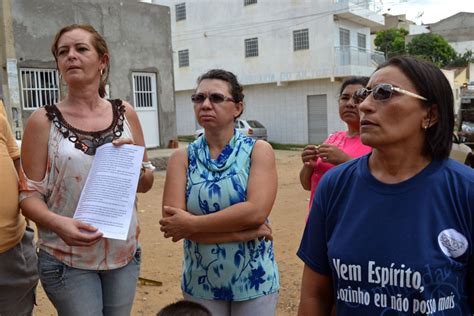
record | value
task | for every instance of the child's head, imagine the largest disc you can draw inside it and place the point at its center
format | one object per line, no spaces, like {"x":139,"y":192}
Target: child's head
{"x":184,"y":308}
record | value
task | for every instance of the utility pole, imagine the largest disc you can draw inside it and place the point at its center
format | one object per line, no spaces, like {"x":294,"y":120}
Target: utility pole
{"x":10,"y":89}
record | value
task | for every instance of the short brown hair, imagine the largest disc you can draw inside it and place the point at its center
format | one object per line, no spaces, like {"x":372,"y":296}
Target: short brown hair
{"x":98,"y":42}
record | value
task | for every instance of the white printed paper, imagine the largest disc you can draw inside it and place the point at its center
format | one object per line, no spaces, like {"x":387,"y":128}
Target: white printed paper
{"x":108,"y":196}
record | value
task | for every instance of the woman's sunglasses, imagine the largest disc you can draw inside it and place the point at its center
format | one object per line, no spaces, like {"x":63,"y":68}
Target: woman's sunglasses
{"x":380,"y":92}
{"x":214,"y":98}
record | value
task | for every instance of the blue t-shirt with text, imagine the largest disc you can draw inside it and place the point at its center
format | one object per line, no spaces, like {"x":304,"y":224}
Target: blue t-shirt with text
{"x":394,"y":249}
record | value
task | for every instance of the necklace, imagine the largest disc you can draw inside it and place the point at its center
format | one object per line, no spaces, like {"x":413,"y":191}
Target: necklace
{"x":89,"y":141}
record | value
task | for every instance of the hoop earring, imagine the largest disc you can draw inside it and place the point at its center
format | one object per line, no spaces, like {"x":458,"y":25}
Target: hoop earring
{"x":101,"y":72}
{"x":61,"y":79}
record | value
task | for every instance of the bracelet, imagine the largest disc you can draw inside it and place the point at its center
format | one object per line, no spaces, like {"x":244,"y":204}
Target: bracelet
{"x":148,"y":165}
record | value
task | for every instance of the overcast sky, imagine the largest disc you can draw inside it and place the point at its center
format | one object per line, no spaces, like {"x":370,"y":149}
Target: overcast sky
{"x":427,"y":11}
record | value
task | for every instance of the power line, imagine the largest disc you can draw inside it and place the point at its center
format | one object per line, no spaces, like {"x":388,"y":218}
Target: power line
{"x":216,"y":31}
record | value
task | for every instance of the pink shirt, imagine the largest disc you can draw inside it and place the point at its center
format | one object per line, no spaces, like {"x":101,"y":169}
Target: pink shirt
{"x":350,"y":145}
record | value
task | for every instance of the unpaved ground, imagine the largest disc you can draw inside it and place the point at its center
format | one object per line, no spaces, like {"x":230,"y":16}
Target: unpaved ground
{"x":161,"y":258}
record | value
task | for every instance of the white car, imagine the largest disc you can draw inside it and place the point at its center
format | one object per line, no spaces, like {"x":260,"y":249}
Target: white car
{"x":251,"y":128}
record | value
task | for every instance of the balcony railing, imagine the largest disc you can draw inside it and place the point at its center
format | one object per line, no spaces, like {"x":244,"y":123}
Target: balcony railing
{"x":356,"y":56}
{"x":371,"y":5}
{"x":364,"y":12}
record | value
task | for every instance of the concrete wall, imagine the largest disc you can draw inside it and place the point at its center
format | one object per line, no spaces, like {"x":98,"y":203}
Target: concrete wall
{"x":138,"y":35}
{"x":281,"y":109}
{"x":456,"y":28}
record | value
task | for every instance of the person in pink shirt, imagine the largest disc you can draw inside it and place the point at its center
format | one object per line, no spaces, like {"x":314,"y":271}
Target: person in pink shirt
{"x":340,"y":146}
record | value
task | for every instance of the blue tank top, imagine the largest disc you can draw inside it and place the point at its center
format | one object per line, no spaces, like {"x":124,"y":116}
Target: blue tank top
{"x":235,"y":271}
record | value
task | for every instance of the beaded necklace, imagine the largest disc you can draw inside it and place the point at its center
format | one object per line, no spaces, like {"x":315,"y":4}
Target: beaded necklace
{"x":87,"y":141}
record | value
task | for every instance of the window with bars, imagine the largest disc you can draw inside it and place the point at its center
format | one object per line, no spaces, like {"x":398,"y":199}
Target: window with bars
{"x":180,"y":11}
{"x":249,"y":2}
{"x":144,"y":90}
{"x":361,"y":42}
{"x":183,"y":58}
{"x":344,"y":37}
{"x":251,"y":47}
{"x":300,"y":39}
{"x":39,"y":87}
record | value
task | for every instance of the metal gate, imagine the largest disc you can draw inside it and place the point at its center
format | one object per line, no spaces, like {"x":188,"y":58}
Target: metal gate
{"x":317,"y":118}
{"x":146,"y":106}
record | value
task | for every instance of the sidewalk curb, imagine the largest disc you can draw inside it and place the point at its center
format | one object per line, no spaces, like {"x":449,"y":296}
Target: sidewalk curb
{"x":159,"y":162}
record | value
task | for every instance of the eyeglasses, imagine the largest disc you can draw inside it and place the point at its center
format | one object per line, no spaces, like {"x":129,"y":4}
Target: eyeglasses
{"x":383,"y":91}
{"x":214,"y":98}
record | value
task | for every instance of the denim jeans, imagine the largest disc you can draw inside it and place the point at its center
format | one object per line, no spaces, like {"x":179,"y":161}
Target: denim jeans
{"x":18,"y":277}
{"x":263,"y":306}
{"x":89,"y":292}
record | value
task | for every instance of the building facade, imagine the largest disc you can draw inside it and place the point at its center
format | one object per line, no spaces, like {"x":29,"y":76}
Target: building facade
{"x":458,"y":30}
{"x":141,"y":69}
{"x":291,"y":56}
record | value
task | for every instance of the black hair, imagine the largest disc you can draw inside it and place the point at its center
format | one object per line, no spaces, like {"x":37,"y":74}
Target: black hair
{"x":236,"y":89}
{"x":353,"y":80}
{"x":432,"y":84}
{"x":184,"y":308}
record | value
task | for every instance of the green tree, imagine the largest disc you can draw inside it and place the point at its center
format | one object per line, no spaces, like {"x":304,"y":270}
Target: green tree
{"x":391,"y":42}
{"x":462,"y":60}
{"x":432,"y":47}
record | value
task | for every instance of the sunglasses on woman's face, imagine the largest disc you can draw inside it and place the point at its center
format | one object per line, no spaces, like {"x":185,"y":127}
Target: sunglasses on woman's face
{"x":214,"y":98}
{"x":380,"y":92}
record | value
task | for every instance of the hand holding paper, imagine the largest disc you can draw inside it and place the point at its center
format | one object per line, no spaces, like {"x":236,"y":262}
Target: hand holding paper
{"x":108,"y":196}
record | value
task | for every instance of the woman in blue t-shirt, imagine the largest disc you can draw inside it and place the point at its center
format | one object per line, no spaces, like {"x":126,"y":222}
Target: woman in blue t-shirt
{"x":218,"y":195}
{"x":392,"y":233}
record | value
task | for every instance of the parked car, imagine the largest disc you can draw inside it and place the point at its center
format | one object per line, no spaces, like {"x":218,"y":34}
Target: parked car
{"x":461,"y":152}
{"x":251,"y":128}
{"x":466,"y":115}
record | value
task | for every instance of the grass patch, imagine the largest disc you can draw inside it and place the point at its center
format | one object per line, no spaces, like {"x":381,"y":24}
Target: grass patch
{"x":186,"y":138}
{"x":278,"y":146}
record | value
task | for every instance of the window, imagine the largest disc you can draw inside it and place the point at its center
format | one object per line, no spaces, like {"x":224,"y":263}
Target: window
{"x":344,"y":37}
{"x":39,"y":87}
{"x":180,"y":11}
{"x":183,"y":58}
{"x":300,"y":39}
{"x":144,"y":90}
{"x":361,"y":42}
{"x":249,"y":2}
{"x":344,"y":43}
{"x":251,"y":47}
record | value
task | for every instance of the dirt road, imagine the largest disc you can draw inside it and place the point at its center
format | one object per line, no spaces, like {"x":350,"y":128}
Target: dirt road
{"x":162,"y":258}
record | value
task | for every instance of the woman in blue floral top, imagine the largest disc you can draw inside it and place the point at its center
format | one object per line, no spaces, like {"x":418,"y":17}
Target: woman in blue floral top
{"x":218,"y":195}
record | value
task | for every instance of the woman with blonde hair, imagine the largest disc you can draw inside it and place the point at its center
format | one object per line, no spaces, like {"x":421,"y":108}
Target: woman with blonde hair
{"x":81,"y":272}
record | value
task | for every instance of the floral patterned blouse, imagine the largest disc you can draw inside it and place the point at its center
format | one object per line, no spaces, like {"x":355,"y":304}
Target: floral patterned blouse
{"x":235,"y":271}
{"x":66,"y":172}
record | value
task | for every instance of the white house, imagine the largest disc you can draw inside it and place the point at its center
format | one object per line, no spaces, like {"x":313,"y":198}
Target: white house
{"x":291,"y":56}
